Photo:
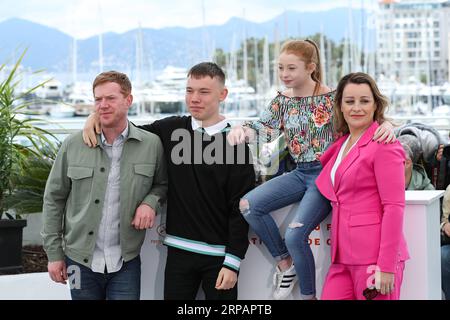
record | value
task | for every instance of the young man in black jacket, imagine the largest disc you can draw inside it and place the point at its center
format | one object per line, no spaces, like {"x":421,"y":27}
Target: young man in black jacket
{"x":207,"y":236}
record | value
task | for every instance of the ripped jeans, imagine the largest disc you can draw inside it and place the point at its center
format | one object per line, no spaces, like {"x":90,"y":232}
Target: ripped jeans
{"x":297,"y":185}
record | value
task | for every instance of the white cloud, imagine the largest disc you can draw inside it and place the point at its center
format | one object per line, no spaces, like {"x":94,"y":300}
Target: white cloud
{"x":84,"y":18}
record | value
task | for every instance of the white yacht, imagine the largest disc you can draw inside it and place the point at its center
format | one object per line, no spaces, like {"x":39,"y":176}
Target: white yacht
{"x":50,"y":90}
{"x":79,"y":96}
{"x":242,"y":100}
{"x":164,"y":95}
{"x":61,"y":110}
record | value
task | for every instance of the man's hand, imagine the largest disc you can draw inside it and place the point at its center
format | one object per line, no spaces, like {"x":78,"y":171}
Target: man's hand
{"x":226,"y":280}
{"x":440,"y":152}
{"x":144,"y":217}
{"x":384,"y":282}
{"x":91,"y":128}
{"x":446,"y":228}
{"x":385,"y":133}
{"x":57,"y":271}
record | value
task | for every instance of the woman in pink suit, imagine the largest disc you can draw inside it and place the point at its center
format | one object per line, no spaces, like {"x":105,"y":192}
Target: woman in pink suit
{"x":365,"y":182}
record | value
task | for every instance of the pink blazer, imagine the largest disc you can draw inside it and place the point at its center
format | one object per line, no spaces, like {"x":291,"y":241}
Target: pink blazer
{"x":368,"y":200}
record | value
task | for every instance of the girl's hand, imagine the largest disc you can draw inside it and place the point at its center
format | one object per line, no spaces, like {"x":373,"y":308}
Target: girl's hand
{"x":240,"y":134}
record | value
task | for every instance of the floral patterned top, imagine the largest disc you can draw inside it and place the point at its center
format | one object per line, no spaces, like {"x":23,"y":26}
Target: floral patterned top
{"x":306,"y":122}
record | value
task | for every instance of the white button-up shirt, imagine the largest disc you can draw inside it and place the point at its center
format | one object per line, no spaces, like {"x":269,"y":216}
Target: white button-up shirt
{"x":107,"y":252}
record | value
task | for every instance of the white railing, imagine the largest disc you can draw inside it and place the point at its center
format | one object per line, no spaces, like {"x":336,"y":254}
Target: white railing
{"x":70,"y":125}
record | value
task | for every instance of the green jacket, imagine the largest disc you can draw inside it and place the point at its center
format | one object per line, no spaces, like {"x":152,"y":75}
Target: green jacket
{"x":76,"y":187}
{"x":419,"y":179}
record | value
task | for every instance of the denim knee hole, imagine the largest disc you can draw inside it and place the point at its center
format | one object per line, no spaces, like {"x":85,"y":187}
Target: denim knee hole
{"x":244,"y":207}
{"x":294,"y":225}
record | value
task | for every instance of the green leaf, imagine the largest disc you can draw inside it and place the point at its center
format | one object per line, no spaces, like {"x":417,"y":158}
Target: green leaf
{"x":23,"y":168}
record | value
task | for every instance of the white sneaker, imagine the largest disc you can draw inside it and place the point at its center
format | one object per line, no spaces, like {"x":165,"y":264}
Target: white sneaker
{"x":284,"y":282}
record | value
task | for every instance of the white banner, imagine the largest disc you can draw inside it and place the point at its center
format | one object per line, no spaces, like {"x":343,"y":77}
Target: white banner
{"x":255,"y":278}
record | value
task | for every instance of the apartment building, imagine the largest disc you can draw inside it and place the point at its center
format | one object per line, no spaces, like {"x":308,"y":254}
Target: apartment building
{"x":413,"y":39}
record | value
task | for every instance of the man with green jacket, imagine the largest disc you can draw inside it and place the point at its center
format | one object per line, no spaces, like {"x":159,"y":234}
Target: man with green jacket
{"x":415,"y":175}
{"x":99,"y":201}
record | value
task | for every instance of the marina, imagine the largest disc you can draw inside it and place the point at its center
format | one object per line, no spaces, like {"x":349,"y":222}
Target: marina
{"x":403,"y":44}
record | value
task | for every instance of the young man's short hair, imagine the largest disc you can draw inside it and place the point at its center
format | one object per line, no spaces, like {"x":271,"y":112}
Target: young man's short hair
{"x":204,"y":69}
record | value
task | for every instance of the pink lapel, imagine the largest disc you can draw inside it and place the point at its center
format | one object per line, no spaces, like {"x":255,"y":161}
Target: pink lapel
{"x":353,"y":154}
{"x":328,"y":159}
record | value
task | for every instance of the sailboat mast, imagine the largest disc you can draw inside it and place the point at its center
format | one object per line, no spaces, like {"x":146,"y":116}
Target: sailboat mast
{"x":331,"y":68}
{"x":266,"y":66}
{"x":345,"y":56}
{"x":100,"y":39}
{"x":363,"y":52}
{"x":74,"y":60}
{"x":255,"y":59}
{"x":139,"y":57}
{"x":204,"y":35}
{"x":74,"y":54}
{"x":276,"y":50}
{"x":244,"y":47}
{"x":323,"y":60}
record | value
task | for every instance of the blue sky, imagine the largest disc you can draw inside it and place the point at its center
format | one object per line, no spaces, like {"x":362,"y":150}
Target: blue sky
{"x":84,"y":18}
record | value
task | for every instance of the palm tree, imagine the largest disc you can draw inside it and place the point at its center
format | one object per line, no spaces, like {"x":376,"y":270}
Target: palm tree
{"x":29,"y":186}
{"x":17,"y":159}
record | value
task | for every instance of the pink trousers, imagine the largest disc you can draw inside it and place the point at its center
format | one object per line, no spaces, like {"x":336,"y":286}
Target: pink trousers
{"x":348,"y":282}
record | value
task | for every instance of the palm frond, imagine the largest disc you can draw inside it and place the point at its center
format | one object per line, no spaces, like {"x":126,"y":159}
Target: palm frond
{"x":24,"y":168}
{"x":28,"y":187}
